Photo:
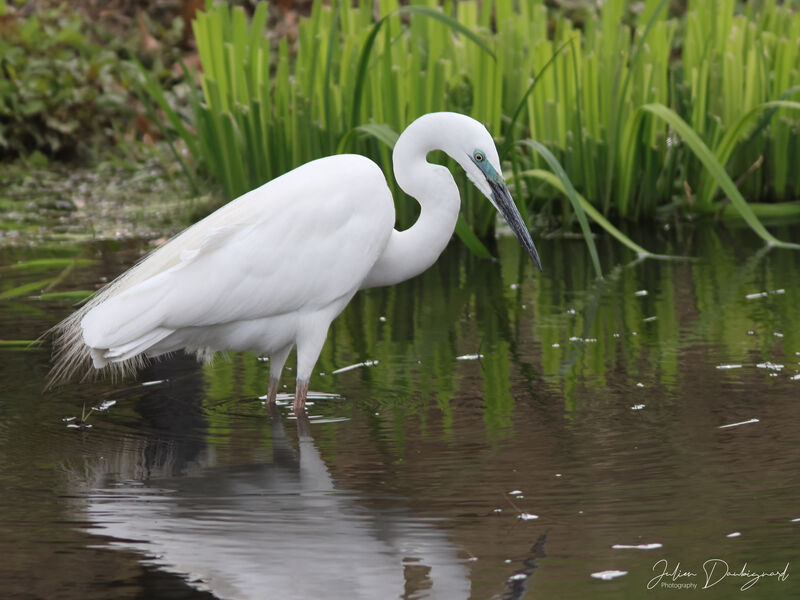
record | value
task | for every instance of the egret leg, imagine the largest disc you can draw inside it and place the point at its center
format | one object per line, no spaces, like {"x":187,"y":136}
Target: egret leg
{"x":309,"y":344}
{"x":301,"y":391}
{"x":276,"y":362}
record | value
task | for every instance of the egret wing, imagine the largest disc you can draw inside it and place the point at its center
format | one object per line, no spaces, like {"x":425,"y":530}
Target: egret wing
{"x":297,"y":243}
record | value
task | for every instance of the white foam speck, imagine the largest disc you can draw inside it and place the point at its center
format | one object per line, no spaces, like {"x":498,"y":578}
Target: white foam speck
{"x":515,"y":492}
{"x":769,"y":365}
{"x":729,"y":366}
{"x":764,"y":294}
{"x":528,"y":517}
{"x":105,"y":405}
{"x":650,"y":319}
{"x":739,"y":423}
{"x":469,"y":357}
{"x":609,"y":575}
{"x":367,"y":363}
{"x":734,"y":534}
{"x":637,"y":407}
{"x":640,"y":293}
{"x":652,"y":546}
{"x":155,"y":382}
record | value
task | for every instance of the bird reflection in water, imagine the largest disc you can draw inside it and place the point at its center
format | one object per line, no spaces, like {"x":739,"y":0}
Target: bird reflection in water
{"x":276,"y":527}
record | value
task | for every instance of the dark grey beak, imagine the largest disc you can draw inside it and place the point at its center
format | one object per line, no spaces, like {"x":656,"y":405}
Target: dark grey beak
{"x":502,"y":198}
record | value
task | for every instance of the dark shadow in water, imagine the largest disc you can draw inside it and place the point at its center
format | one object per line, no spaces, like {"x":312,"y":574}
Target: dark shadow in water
{"x":518,"y":584}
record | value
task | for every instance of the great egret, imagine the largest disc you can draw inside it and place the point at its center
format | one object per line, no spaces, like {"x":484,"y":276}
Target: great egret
{"x":273,"y":268}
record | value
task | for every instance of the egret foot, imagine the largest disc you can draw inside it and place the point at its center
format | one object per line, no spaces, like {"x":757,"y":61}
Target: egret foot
{"x":301,"y":391}
{"x":272,"y":390}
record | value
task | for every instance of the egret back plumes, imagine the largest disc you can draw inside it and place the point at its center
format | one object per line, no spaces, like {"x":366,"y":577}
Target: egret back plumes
{"x":271,"y":269}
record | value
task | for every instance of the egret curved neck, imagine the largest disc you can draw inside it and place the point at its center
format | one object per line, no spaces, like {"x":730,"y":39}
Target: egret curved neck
{"x":410,"y":252}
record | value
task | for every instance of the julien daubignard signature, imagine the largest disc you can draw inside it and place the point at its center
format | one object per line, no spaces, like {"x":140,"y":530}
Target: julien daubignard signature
{"x":712,"y":572}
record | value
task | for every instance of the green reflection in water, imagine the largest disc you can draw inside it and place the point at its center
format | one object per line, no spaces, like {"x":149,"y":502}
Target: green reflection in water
{"x":558,"y":351}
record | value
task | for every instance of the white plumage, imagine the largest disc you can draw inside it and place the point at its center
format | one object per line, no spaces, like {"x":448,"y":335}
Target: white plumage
{"x":272,"y":268}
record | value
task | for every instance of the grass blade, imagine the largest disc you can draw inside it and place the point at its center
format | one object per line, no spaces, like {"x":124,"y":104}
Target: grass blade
{"x":717,"y":171}
{"x":591,"y":211}
{"x":366,"y":50}
{"x":573,"y":198}
{"x":509,"y":141}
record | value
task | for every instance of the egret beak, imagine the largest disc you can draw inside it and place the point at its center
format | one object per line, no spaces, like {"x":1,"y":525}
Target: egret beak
{"x":503,"y":201}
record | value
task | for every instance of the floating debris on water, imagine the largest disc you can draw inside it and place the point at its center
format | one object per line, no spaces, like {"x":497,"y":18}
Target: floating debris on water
{"x":734,"y":534}
{"x":104,"y":405}
{"x":469,"y":357}
{"x":637,"y":407}
{"x":639,"y":384}
{"x":640,"y":293}
{"x":515,"y":492}
{"x":729,"y":366}
{"x":320,"y":419}
{"x":652,"y":546}
{"x":323,"y":396}
{"x":366,"y":363}
{"x":795,"y":377}
{"x":764,"y":294}
{"x":739,"y":423}
{"x":769,"y":365}
{"x":527,"y":516}
{"x":609,"y":575}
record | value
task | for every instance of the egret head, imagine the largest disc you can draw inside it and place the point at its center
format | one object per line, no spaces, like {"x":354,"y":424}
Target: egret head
{"x":478,"y":156}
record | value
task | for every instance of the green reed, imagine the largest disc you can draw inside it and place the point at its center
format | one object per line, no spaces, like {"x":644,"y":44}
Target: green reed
{"x":645,"y":114}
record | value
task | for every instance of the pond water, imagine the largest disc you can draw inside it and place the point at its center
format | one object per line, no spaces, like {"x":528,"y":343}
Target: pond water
{"x":500,"y":433}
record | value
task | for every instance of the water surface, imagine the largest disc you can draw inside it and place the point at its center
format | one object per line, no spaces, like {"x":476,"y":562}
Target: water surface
{"x":511,"y":435}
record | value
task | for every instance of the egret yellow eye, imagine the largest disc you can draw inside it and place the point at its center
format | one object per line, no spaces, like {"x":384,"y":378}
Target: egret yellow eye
{"x":479,"y":156}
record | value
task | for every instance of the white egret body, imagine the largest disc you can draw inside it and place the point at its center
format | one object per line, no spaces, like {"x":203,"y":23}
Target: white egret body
{"x":273,"y":268}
